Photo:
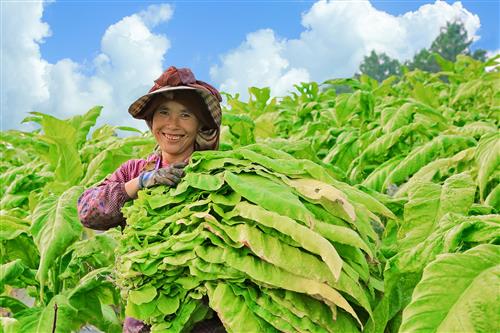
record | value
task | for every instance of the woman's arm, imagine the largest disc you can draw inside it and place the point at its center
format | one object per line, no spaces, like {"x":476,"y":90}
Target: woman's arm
{"x":100,"y":207}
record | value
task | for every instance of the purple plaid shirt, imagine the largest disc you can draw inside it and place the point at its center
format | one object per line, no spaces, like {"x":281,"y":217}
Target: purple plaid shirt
{"x":99,"y":207}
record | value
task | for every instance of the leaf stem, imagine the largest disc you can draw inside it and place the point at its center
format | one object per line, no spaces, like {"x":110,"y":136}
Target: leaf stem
{"x":54,"y":324}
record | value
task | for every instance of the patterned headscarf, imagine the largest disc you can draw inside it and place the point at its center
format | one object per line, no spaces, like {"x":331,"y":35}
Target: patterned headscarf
{"x":183,"y":79}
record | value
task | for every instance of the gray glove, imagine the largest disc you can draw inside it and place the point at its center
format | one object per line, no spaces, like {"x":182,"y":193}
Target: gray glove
{"x":169,"y":176}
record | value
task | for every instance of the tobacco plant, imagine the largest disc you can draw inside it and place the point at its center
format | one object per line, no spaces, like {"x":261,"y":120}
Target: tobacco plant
{"x":347,"y":205}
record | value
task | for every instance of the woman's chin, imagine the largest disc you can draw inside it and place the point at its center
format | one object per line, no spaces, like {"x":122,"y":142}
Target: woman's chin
{"x":176,"y":150}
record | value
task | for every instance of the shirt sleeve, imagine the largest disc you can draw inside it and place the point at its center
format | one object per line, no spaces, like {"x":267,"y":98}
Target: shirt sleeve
{"x":100,"y":207}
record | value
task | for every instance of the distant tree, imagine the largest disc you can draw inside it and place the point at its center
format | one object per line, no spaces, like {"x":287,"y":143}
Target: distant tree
{"x":380,"y":66}
{"x":425,"y":61}
{"x":452,"y":41}
{"x":479,"y":54}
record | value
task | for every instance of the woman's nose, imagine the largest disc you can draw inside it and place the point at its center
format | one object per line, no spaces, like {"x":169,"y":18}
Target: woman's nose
{"x":172,"y":120}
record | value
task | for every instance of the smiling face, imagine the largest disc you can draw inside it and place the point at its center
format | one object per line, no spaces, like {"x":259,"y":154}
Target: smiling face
{"x":175,"y":128}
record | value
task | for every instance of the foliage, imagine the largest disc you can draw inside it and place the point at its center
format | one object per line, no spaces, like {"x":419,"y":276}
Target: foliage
{"x":416,"y":146}
{"x":42,"y":240}
{"x":452,"y":41}
{"x":388,"y":192}
{"x":216,"y":231}
{"x":473,"y":299}
{"x":380,"y":66}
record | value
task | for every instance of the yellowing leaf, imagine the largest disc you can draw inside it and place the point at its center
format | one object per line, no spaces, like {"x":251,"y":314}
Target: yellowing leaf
{"x":329,"y":197}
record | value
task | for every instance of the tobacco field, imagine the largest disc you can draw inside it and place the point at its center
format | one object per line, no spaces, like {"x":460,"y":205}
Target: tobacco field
{"x":345,"y":206}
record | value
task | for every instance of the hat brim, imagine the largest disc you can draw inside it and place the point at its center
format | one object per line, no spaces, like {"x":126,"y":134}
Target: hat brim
{"x":138,"y":108}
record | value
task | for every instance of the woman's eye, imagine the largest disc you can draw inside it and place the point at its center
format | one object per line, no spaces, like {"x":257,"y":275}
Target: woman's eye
{"x":186,"y":115}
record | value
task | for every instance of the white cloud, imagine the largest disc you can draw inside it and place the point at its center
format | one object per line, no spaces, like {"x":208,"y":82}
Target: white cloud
{"x":130,"y":59}
{"x":22,"y":86}
{"x":491,"y":54}
{"x":156,"y":14}
{"x":258,"y":61}
{"x":336,"y":36}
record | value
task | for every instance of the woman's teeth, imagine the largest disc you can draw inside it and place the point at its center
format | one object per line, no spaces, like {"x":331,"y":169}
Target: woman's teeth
{"x":172,"y":137}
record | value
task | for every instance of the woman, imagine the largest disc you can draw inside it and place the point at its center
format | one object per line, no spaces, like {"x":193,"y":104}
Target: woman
{"x":184,"y":115}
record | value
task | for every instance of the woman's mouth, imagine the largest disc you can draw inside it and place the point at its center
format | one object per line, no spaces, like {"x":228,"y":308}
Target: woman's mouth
{"x":172,"y":137}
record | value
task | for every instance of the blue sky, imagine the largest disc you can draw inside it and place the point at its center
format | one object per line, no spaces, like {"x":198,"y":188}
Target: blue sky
{"x":63,"y":57}
{"x":226,"y":24}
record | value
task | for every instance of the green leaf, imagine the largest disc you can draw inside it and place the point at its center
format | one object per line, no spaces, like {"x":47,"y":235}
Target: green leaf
{"x":30,"y":142}
{"x":22,"y":247}
{"x":241,"y":128}
{"x":129,"y":129}
{"x":403,"y":271}
{"x":281,"y":318}
{"x":275,"y":161}
{"x":265,"y":125}
{"x":304,"y":306}
{"x":308,"y":239}
{"x":230,"y":199}
{"x":90,"y":282}
{"x":467,"y":89}
{"x":441,"y":166}
{"x":264,"y":193}
{"x":83,"y":123}
{"x":10,"y":273}
{"x":401,"y":117}
{"x":232,"y":310}
{"x":429,"y":112}
{"x":86,"y":298}
{"x":363,"y":201}
{"x":377,"y":177}
{"x":271,"y":275}
{"x":488,"y":160}
{"x":55,"y":227}
{"x":203,"y":181}
{"x":441,"y":146}
{"x":9,"y":325}
{"x":41,"y":320}
{"x":382,"y":145}
{"x":66,"y":162}
{"x":342,"y":235}
{"x":345,"y":150}
{"x":445,"y":64}
{"x":326,"y":195}
{"x":143,"y":311}
{"x":425,"y":94}
{"x":168,"y":305}
{"x":493,"y":199}
{"x":88,"y":254}
{"x":13,"y":304}
{"x":429,"y":202}
{"x":272,"y":250}
{"x":11,"y":226}
{"x":108,"y":160}
{"x":474,"y":129}
{"x":472,"y":305}
{"x":145,"y":294}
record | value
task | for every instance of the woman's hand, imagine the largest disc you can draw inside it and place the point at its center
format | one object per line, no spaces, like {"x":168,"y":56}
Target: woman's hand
{"x":169,"y":176}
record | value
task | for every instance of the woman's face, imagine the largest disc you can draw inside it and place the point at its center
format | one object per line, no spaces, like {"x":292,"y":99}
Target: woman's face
{"x":175,"y":128}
